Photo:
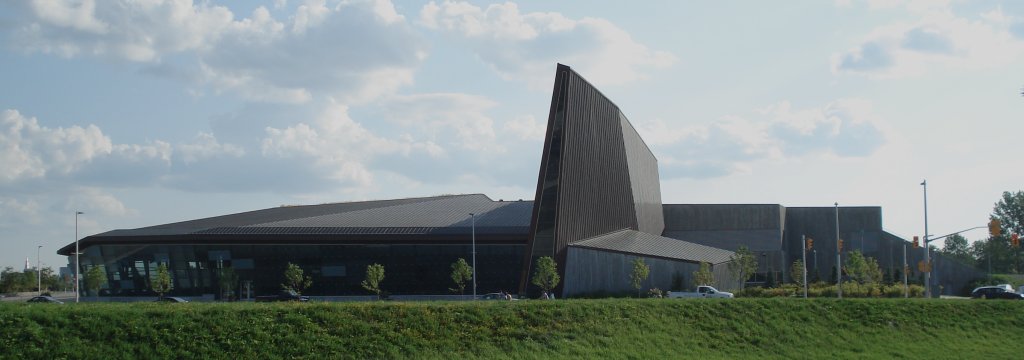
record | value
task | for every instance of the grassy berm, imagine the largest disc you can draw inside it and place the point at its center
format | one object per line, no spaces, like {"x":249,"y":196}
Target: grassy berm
{"x":613,"y":328}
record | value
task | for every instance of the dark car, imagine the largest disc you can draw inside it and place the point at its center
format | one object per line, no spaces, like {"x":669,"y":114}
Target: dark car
{"x":995,"y":292}
{"x":45,"y":299}
{"x":171,"y":299}
{"x":284,"y":295}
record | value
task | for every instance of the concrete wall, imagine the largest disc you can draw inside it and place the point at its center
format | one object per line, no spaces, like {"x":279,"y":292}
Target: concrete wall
{"x":592,"y":271}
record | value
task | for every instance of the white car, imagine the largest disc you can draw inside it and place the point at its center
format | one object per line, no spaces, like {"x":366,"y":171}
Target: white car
{"x":702,"y":292}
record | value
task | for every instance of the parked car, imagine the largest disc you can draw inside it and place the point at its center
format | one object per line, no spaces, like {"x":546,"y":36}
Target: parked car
{"x":702,"y":292}
{"x":497,"y":296}
{"x":171,"y":299}
{"x":45,"y":299}
{"x":995,"y":292}
{"x":284,"y":295}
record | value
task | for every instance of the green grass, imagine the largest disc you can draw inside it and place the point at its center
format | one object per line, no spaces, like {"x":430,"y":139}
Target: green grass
{"x":615,"y":328}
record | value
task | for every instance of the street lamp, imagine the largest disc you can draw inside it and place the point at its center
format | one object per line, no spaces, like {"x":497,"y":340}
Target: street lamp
{"x":472,"y":217}
{"x":927,"y":274}
{"x":839,"y":259}
{"x":39,"y":272}
{"x":78,"y":267}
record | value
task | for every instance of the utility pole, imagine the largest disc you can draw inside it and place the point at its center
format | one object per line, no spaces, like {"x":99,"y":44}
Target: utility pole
{"x":927,"y":259}
{"x":78,"y":267}
{"x":39,"y":272}
{"x":473,"y":237}
{"x":804,"y":252}
{"x":839,"y":259}
{"x":906,"y":289}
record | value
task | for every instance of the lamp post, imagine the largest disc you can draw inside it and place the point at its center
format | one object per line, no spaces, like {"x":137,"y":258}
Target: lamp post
{"x":39,"y":272}
{"x":927,"y":262}
{"x":839,"y":259}
{"x":472,"y":217}
{"x":78,"y":268}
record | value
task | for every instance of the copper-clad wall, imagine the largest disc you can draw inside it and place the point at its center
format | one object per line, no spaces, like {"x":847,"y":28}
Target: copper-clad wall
{"x":596,"y":174}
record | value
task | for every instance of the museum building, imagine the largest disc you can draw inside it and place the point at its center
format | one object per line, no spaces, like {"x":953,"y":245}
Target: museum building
{"x":597,"y":208}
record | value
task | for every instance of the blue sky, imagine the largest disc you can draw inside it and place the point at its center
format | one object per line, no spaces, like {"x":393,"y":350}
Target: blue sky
{"x":148,"y":112}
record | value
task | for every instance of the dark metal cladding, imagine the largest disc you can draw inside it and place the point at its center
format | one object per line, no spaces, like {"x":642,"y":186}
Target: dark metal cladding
{"x":596,"y":175}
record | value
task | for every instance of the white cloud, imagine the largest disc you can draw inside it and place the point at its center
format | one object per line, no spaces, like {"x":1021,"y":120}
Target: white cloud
{"x":337,"y":144}
{"x":206,"y":146}
{"x":937,"y":40}
{"x":525,"y":46}
{"x":526,"y":128}
{"x":95,"y":201}
{"x":353,"y":50}
{"x":32,"y":151}
{"x":448,"y":119}
{"x":842,"y":128}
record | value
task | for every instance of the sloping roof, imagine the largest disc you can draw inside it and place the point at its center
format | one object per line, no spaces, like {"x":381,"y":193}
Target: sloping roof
{"x":439,"y":216}
{"x":640,"y":243}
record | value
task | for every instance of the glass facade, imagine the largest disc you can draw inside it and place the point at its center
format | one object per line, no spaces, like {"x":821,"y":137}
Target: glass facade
{"x":336,"y":270}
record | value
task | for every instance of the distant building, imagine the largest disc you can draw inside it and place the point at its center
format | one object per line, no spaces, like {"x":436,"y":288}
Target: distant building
{"x":597,"y":208}
{"x":28,"y":265}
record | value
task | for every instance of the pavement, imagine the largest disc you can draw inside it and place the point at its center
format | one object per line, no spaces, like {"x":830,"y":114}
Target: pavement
{"x":24,"y":296}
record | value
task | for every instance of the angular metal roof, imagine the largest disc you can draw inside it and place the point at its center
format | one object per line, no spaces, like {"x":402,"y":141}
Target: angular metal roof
{"x":450,"y":211}
{"x":433,"y":216}
{"x":640,"y":243}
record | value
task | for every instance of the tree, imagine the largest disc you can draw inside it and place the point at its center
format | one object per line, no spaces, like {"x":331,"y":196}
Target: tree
{"x":703,"y":275}
{"x":861,"y":269}
{"x":229,"y":282}
{"x":797,"y":272}
{"x":94,"y":278}
{"x":162,"y":283}
{"x":742,"y":264}
{"x":295,"y":280}
{"x":1009,"y":210}
{"x":956,"y":247}
{"x":374,"y":275}
{"x":546,"y":275}
{"x":639,"y":274}
{"x":461,"y":273}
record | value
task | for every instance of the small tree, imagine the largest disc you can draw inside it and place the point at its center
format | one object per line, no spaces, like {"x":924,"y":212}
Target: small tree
{"x":863,"y":270}
{"x":546,"y":274}
{"x":461,"y":273}
{"x":797,"y":272}
{"x":94,"y":278}
{"x":742,"y":263}
{"x":639,"y":274}
{"x":374,"y":275}
{"x":703,"y":275}
{"x":229,"y":282}
{"x":295,"y":280}
{"x":162,"y":283}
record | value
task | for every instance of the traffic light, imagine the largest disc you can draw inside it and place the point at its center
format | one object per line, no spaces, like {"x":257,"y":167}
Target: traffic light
{"x":1015,"y":240}
{"x":917,"y":242}
{"x":810,"y":244}
{"x":840,"y":244}
{"x":995,"y":228}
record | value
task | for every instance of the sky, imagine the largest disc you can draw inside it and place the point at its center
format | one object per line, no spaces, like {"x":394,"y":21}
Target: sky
{"x":140,"y":113}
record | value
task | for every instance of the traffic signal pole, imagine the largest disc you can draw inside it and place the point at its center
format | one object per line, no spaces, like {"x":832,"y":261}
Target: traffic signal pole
{"x":927,"y":260}
{"x":839,"y":262}
{"x":804,"y":252}
{"x":906,"y":288}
